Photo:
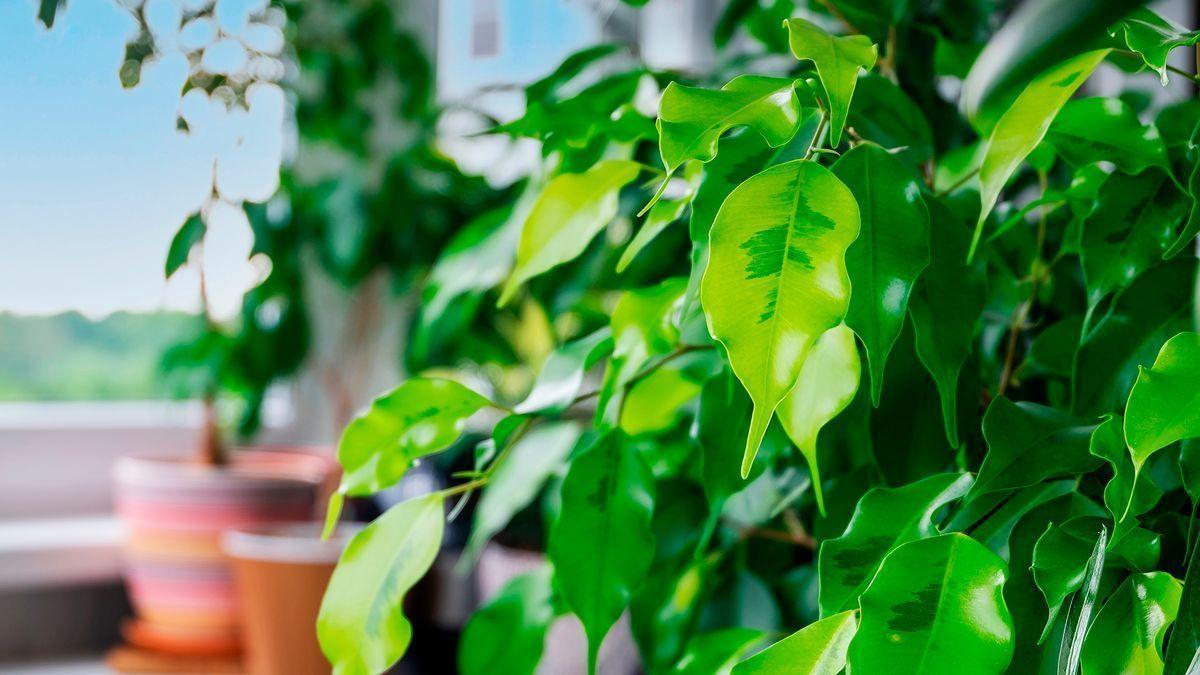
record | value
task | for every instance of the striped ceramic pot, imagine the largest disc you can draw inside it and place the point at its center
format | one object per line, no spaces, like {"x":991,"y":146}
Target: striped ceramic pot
{"x":179,"y":582}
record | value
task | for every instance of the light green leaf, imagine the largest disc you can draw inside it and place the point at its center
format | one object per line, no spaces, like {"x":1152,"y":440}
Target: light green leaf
{"x":776,"y":278}
{"x":884,"y":519}
{"x":190,"y":233}
{"x":361,"y":627}
{"x":1024,"y":125}
{"x":660,"y":216}
{"x":935,"y":607}
{"x":1130,"y":227}
{"x":692,"y":119}
{"x":602,"y":543}
{"x":1127,"y":636}
{"x":1152,"y":37}
{"x":1061,"y":560}
{"x":507,"y":634}
{"x":643,"y":326}
{"x":889,"y":254}
{"x":516,"y":482}
{"x":837,"y":60}
{"x":945,"y":306}
{"x":1164,"y":405}
{"x":1127,"y":494}
{"x":816,"y":649}
{"x":418,"y":418}
{"x":572,"y":209}
{"x":827,"y":383}
{"x":1028,"y":443}
{"x":716,"y":652}
{"x":1156,"y":305}
{"x":654,"y":403}
{"x":1094,"y":129}
{"x":561,"y":376}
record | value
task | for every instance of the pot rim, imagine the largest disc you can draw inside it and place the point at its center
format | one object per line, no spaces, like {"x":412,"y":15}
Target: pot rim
{"x":289,"y":543}
{"x":144,"y":469}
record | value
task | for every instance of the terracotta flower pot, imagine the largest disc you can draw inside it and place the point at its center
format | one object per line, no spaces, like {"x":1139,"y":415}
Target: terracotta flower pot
{"x":179,"y":582}
{"x":281,"y":573}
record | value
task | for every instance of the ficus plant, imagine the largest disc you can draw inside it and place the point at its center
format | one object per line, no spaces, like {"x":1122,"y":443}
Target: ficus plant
{"x":878,"y":357}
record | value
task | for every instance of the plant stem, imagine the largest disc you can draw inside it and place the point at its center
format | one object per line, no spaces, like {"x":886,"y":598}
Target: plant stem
{"x":1021,"y":315}
{"x":959,"y":183}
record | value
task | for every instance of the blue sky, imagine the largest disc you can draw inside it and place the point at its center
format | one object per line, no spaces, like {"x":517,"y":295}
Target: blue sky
{"x":94,"y":179}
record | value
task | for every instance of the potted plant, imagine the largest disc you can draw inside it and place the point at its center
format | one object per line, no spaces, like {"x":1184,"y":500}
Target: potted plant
{"x":915,"y":393}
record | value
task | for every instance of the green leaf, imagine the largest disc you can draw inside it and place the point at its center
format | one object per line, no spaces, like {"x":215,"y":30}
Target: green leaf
{"x":643,"y":326}
{"x":883,"y":113}
{"x":508,"y":633}
{"x":1164,"y":405}
{"x":190,"y":233}
{"x":837,"y":60}
{"x":1036,"y":34}
{"x":945,"y":306}
{"x":889,"y":254}
{"x":1127,"y":493}
{"x":776,"y":278}
{"x":1192,"y":226}
{"x":418,"y":418}
{"x":570,"y":212}
{"x":1028,"y":443}
{"x":716,"y":652}
{"x":1025,"y":124}
{"x":361,"y":627}
{"x":816,"y":649}
{"x":1077,"y":627}
{"x":1185,"y":636}
{"x":1127,"y":636}
{"x":561,"y":376}
{"x":660,"y":216}
{"x":1142,"y":317}
{"x":1061,"y":560}
{"x":602,"y":544}
{"x":885,"y":519}
{"x":1094,"y":129}
{"x":1130,"y":227}
{"x":1152,"y":37}
{"x":692,"y":119}
{"x":827,"y":383}
{"x":518,"y":479}
{"x":935,"y":607}
{"x":47,"y":9}
{"x":991,"y":519}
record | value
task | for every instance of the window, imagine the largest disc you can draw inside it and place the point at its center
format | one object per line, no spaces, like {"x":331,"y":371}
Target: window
{"x":485,"y":28}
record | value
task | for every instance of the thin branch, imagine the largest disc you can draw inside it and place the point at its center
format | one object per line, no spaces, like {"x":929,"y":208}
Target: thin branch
{"x":959,"y":183}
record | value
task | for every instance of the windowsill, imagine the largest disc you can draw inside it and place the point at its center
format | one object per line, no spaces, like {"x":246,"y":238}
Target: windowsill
{"x":74,"y":551}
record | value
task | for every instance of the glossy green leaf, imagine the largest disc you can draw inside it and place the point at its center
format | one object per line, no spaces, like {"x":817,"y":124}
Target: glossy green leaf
{"x":561,"y":376}
{"x":1184,"y":644}
{"x":362,"y":627}
{"x":571,"y":210}
{"x":716,"y":652}
{"x":190,"y":233}
{"x":602,"y":544}
{"x":991,"y":519}
{"x":838,"y":60}
{"x":1152,"y":37}
{"x":890,"y":253}
{"x":1129,"y":229}
{"x":643,"y":326}
{"x":661,"y":215}
{"x":654,"y":403}
{"x":1127,"y":636}
{"x":935,"y":607}
{"x":517,"y":480}
{"x":884,"y":519}
{"x":776,"y":278}
{"x":1076,"y":627}
{"x":1095,"y":129}
{"x":692,"y":119}
{"x":945,"y":306}
{"x":827,"y":383}
{"x":1028,"y":443}
{"x":1061,"y":561}
{"x":1127,"y":494}
{"x":817,"y":649}
{"x":1164,"y":405}
{"x":1192,"y":226}
{"x":1025,"y":124}
{"x":884,"y":113}
{"x":418,"y":418}
{"x":507,"y":634}
{"x":1156,"y":306}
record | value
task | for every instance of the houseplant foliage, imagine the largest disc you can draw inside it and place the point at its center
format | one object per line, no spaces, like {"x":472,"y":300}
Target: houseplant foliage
{"x":868,"y":383}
